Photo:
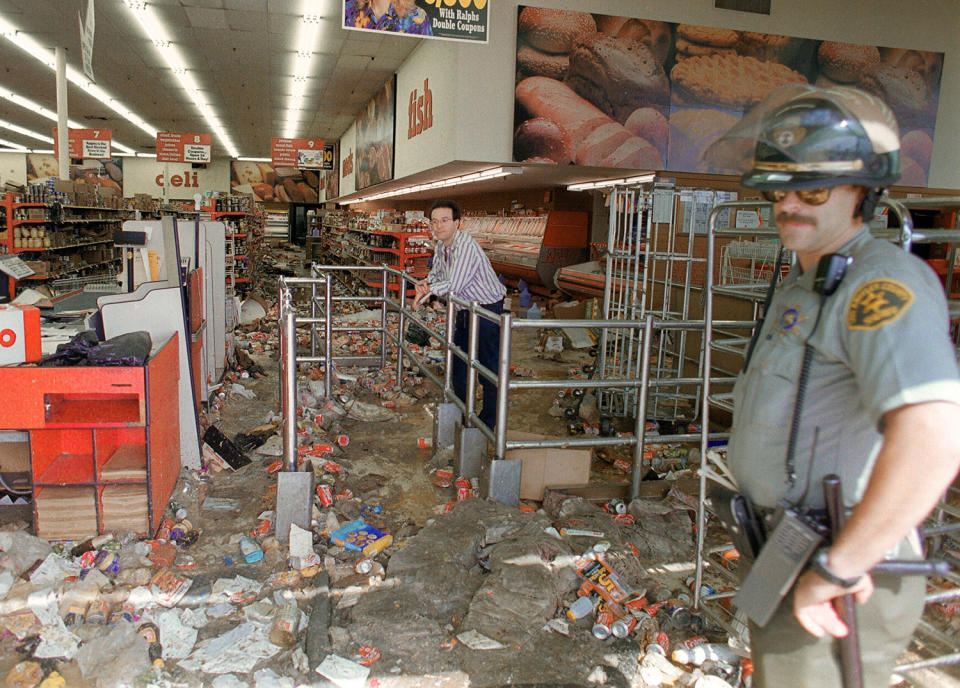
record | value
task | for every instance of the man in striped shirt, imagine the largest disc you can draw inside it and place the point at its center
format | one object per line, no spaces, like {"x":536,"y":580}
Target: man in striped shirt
{"x":460,"y":267}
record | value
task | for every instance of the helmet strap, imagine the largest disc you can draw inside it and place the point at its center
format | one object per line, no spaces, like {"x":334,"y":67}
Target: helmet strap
{"x":868,"y":203}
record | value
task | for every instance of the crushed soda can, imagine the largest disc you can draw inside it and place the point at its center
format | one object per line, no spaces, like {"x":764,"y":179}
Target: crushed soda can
{"x":368,"y":655}
{"x":331,"y":466}
{"x":424,"y":442}
{"x":346,"y":493}
{"x":343,"y":440}
{"x":325,"y":494}
{"x":163,"y":532}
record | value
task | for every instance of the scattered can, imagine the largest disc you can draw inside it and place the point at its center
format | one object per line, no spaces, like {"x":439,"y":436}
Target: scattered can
{"x":163,"y":532}
{"x":108,"y":562}
{"x":603,"y":622}
{"x":343,"y":440}
{"x":363,"y":566}
{"x":693,"y":641}
{"x":325,"y":493}
{"x":180,"y":529}
{"x":424,"y":442}
{"x":621,"y":628}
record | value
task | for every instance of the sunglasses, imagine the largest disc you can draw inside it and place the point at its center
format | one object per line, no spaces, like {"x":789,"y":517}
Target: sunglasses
{"x":808,"y":196}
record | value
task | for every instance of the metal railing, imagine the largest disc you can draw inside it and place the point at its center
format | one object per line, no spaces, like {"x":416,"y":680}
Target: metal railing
{"x":395,"y":309}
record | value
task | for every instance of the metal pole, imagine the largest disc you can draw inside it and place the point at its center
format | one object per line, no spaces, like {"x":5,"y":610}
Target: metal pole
{"x":313,"y":325}
{"x":705,"y":405}
{"x":385,"y":288}
{"x":63,"y":146}
{"x":448,"y":353}
{"x":503,"y":384}
{"x":288,"y":356}
{"x":328,"y":334}
{"x":401,"y":324}
{"x":637,"y":471}
{"x":472,"y":341}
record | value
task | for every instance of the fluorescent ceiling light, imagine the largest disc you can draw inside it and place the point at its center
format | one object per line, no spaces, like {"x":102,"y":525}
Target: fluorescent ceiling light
{"x":14,"y":146}
{"x":441,"y":183}
{"x":256,"y":159}
{"x":156,"y":31}
{"x":307,"y":32}
{"x":607,"y":183}
{"x":45,"y":55}
{"x":4,"y":124}
{"x":28,"y":104}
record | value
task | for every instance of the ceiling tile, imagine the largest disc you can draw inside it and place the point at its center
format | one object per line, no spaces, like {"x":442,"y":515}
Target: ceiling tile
{"x":246,"y":5}
{"x":203,"y":18}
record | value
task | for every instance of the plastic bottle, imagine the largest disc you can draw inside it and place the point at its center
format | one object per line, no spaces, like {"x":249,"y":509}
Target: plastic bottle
{"x":286,"y":624}
{"x":524,"y":299}
{"x":250,"y":550}
{"x":534,"y":312}
{"x":582,"y":607}
{"x":701,"y":653}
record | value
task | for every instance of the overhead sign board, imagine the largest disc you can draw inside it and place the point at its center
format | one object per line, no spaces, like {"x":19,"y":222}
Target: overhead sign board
{"x":310,"y":154}
{"x":458,"y":20}
{"x":89,"y":144}
{"x":179,"y":147}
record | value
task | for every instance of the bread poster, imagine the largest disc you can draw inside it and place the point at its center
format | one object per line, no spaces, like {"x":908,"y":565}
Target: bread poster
{"x":274,"y":184}
{"x":107,"y":173}
{"x":606,"y":91}
{"x":375,"y":130}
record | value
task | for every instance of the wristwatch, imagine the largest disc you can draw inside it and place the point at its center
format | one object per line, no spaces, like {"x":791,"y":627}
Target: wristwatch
{"x":818,"y":564}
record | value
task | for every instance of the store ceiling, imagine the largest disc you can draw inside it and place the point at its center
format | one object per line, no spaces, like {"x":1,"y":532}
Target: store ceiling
{"x":241,"y":55}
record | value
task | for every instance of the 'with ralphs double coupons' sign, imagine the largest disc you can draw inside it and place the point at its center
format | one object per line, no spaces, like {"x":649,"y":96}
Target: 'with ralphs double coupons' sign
{"x":459,"y":20}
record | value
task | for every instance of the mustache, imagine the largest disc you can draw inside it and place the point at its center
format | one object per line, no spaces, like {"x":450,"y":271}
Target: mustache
{"x":795,"y":217}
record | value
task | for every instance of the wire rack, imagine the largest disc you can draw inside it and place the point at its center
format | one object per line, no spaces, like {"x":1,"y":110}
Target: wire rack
{"x":98,"y":283}
{"x":748,"y":262}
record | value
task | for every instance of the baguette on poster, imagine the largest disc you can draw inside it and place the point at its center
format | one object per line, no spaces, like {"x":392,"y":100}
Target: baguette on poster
{"x":596,"y":137}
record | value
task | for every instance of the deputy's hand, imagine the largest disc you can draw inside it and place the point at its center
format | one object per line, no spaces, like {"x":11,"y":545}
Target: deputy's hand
{"x":813,"y":603}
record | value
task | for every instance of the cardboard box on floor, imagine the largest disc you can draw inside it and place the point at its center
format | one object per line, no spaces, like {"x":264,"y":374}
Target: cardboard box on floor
{"x":543,"y":468}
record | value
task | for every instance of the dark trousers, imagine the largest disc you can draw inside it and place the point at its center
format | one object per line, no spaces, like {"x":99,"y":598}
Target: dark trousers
{"x":488,"y":354}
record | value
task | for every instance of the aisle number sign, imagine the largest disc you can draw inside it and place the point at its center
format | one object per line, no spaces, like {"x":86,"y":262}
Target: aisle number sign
{"x":301,"y":153}
{"x":178,"y":147}
{"x":89,"y":144}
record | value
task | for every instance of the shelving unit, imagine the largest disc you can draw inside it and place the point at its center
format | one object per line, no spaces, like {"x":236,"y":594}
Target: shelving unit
{"x":103,"y":442}
{"x":245,"y":222}
{"x":358,"y":240}
{"x":60,"y":240}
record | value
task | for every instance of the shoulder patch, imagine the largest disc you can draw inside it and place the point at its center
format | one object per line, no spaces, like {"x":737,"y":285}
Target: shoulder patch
{"x":877,"y":303}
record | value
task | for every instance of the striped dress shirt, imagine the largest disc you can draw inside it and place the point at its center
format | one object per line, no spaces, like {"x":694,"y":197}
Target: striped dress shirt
{"x":464,"y":271}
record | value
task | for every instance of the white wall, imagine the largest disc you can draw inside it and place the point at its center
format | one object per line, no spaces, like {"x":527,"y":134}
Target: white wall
{"x":348,"y":149}
{"x":147,"y":176}
{"x":486,"y":72}
{"x":13,"y":168}
{"x":435,"y":62}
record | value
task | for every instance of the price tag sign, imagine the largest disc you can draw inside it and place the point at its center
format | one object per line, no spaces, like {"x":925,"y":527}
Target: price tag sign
{"x":179,"y":147}
{"x":89,"y":144}
{"x":301,"y":153}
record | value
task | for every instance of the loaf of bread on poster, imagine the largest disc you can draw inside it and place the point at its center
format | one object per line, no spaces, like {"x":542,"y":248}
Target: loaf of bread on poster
{"x":595,"y":139}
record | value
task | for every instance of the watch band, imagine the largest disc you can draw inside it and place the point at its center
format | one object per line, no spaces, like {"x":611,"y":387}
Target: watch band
{"x":818,"y":564}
